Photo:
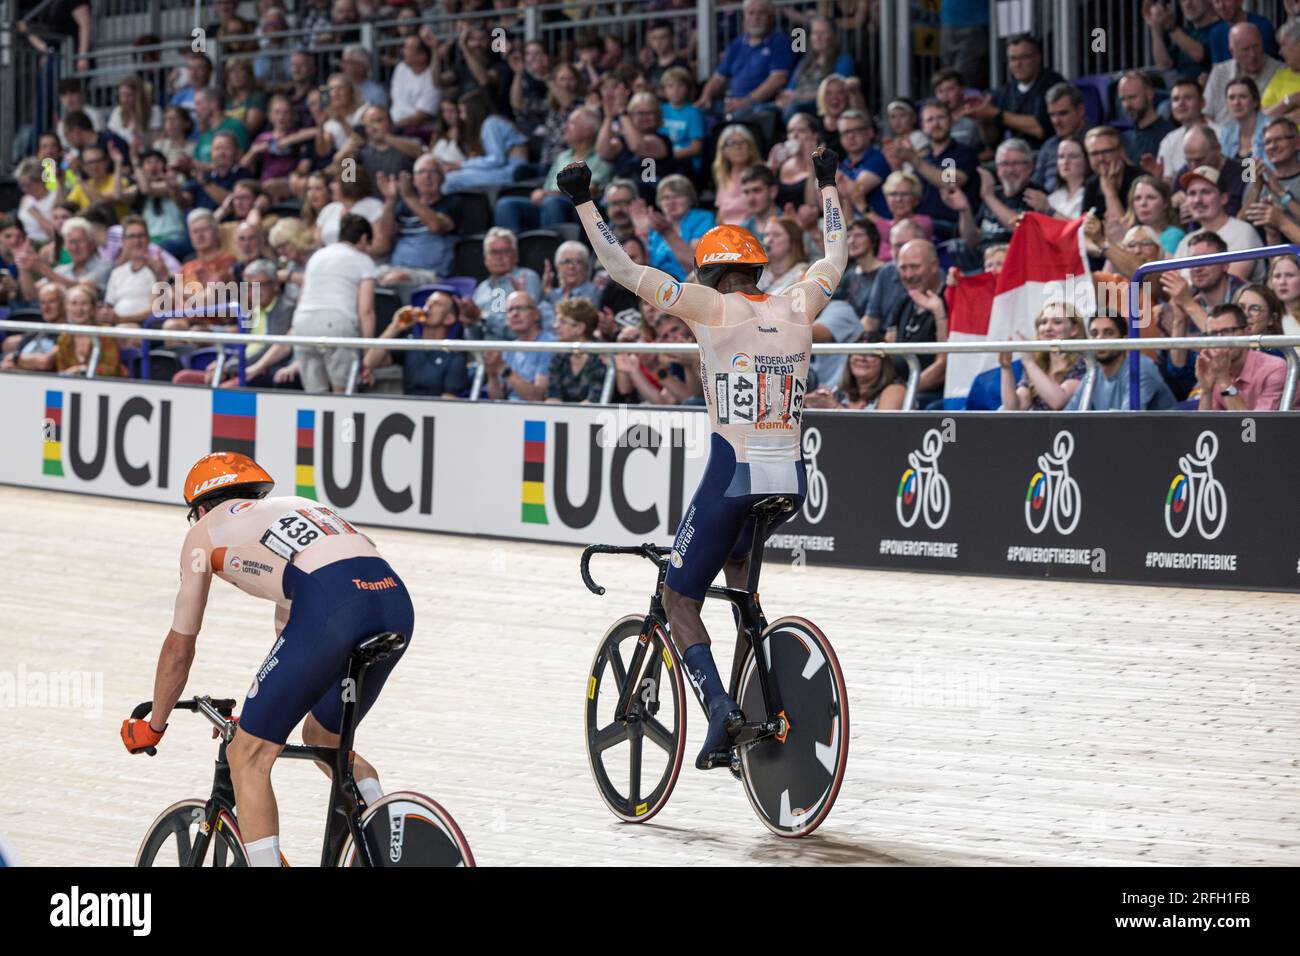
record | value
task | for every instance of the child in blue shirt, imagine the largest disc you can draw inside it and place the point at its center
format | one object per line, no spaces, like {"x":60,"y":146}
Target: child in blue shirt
{"x":683,"y":121}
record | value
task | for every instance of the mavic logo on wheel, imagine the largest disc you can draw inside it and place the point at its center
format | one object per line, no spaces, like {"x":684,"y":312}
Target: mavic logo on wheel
{"x":1195,"y":495}
{"x":1053,"y":496}
{"x":921,"y":489}
{"x":396,"y":831}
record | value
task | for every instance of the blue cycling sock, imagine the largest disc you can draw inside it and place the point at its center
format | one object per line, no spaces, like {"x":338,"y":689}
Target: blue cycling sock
{"x":698,"y":660}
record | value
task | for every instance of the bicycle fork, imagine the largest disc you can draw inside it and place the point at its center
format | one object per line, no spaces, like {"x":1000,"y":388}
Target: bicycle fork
{"x":223,"y":798}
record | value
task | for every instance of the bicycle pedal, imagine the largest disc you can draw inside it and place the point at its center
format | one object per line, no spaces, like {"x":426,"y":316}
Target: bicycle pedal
{"x":719,"y":758}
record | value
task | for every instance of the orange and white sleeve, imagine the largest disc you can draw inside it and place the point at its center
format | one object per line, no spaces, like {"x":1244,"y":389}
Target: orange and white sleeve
{"x":823,"y":277}
{"x":196,"y":579}
{"x":696,"y":304}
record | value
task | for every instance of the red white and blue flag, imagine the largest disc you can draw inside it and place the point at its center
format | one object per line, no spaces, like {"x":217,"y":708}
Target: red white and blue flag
{"x":1046,"y":262}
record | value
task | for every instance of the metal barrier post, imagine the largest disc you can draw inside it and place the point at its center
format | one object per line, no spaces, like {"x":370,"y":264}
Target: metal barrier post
{"x":353,"y":372}
{"x":888,"y":67}
{"x":1089,"y":381}
{"x":8,"y":100}
{"x":913,"y":380}
{"x":1168,"y":265}
{"x":476,"y":387}
{"x":1292,"y":373}
{"x":95,"y":347}
{"x":706,"y":25}
{"x":902,"y":41}
{"x":995,"y":48}
{"x":607,"y":389}
{"x":1066,"y":52}
{"x":219,"y":366}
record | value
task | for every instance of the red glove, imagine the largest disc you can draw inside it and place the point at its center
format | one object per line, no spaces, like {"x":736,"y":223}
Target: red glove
{"x":137,"y":735}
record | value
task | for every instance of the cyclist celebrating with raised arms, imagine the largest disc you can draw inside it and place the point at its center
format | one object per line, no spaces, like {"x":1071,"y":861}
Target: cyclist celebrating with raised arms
{"x":754,"y":353}
{"x":332,"y":590}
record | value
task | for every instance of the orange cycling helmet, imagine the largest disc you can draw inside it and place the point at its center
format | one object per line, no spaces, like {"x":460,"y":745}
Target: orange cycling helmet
{"x":218,"y":474}
{"x":726,"y":247}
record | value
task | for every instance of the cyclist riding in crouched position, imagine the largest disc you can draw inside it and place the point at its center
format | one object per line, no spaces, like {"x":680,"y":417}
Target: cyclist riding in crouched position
{"x":754,"y":353}
{"x":331,"y":588}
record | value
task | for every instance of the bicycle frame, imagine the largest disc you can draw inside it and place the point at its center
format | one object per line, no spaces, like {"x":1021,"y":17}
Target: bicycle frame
{"x":345,"y":802}
{"x":751,"y":626}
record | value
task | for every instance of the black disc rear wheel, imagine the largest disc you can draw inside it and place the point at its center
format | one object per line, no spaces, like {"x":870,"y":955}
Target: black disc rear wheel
{"x":792,"y":779}
{"x":409,"y":829}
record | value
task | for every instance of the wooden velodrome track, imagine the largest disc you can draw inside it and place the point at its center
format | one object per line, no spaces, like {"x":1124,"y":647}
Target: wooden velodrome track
{"x":992,"y":721}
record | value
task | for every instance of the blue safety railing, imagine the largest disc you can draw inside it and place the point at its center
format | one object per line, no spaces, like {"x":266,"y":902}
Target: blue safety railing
{"x":1168,"y":265}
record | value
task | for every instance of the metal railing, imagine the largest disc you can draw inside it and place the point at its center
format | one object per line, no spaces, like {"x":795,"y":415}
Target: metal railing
{"x":1290,"y":344}
{"x":1189,"y":262}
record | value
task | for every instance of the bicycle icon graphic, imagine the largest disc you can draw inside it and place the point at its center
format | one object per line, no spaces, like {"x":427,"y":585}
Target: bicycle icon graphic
{"x":1195,"y":495}
{"x":922,"y":491}
{"x":818,"y":497}
{"x":1053,"y":495}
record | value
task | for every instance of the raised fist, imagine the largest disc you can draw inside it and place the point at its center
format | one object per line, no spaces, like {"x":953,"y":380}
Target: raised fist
{"x":825,"y":162}
{"x":574,"y":181}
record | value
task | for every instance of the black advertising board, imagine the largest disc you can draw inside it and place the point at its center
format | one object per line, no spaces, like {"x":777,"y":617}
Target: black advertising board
{"x":1202,"y":500}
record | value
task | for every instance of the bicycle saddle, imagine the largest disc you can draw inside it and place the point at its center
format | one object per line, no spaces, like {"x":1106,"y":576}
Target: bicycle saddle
{"x":379,"y":646}
{"x":771,"y":507}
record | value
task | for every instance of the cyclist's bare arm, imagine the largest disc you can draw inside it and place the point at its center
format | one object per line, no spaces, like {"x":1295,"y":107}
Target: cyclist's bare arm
{"x":687,"y":300}
{"x":177,"y":653}
{"x":173,"y":672}
{"x":819,"y":283}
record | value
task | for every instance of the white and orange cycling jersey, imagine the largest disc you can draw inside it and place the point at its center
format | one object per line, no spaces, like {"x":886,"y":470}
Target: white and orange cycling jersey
{"x":249,"y":543}
{"x":754,"y":349}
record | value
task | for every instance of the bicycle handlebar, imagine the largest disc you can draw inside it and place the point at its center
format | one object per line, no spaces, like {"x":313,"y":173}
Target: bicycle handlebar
{"x":217,"y":711}
{"x":648,"y":551}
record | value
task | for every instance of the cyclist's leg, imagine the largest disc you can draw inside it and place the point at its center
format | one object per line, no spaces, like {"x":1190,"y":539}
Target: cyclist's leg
{"x":302,"y":663}
{"x":389,"y":609}
{"x":736,"y":567}
{"x":700,"y":547}
{"x":251,"y":759}
{"x":699,"y":553}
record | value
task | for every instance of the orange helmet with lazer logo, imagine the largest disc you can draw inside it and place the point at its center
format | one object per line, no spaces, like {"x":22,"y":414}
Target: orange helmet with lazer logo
{"x":726,"y":247}
{"x":221,"y":472}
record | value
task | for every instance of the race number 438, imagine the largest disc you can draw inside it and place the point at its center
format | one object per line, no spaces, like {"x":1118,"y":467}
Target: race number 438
{"x":294,"y":531}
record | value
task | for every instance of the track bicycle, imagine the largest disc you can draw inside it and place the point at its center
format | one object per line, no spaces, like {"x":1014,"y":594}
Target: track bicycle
{"x":402,"y":828}
{"x":790,"y":754}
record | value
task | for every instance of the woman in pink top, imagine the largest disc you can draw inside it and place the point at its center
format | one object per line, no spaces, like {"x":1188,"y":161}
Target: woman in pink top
{"x":737,"y":151}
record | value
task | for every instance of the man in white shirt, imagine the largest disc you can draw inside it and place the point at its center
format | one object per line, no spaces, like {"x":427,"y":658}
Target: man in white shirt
{"x":1186,"y":105}
{"x":415,"y":95}
{"x":1248,"y":59}
{"x":1208,"y":206}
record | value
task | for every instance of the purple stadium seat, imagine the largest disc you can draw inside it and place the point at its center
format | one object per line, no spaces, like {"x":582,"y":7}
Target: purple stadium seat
{"x":1096,"y":97}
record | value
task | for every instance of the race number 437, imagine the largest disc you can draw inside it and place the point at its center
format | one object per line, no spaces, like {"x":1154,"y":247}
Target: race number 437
{"x":746,"y":398}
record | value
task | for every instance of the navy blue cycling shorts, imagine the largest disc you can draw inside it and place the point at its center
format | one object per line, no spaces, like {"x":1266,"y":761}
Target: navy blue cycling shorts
{"x":334,"y":609}
{"x":718,"y":525}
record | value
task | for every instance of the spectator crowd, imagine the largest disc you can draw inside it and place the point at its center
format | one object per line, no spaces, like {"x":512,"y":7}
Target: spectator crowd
{"x":312,"y":185}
